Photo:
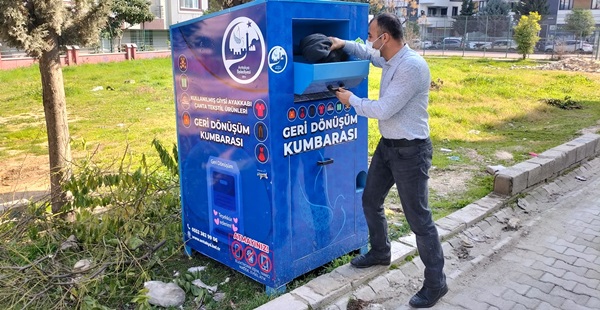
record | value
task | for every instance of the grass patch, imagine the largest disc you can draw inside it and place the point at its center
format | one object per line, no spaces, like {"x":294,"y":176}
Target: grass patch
{"x":482,"y":107}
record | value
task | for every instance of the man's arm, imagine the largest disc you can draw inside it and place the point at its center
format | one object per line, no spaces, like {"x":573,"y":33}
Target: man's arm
{"x":356,"y":49}
{"x":403,"y":87}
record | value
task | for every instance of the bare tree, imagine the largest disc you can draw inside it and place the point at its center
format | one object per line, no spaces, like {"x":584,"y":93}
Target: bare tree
{"x":40,"y":28}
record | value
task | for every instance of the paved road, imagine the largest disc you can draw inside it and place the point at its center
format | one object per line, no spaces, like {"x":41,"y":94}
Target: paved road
{"x":543,"y":253}
{"x":553,"y":265}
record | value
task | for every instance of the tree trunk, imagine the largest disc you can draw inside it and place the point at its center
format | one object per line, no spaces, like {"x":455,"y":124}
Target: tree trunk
{"x":55,"y":109}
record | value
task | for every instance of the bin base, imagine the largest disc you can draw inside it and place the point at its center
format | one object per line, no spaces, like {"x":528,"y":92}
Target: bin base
{"x":270,"y":291}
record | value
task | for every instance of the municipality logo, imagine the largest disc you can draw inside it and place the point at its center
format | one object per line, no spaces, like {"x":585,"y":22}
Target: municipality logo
{"x":243,"y":50}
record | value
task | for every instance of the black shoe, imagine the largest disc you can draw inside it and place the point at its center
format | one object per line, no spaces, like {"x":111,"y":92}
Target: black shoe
{"x":368,"y":260}
{"x":427,"y":297}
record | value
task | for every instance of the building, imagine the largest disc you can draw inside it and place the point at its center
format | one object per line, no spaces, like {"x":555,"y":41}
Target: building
{"x":154,"y":35}
{"x":436,"y":17}
{"x":558,"y":11}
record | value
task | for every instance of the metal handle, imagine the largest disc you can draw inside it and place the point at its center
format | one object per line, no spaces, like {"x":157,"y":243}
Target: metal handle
{"x":325,"y":162}
{"x":333,"y":88}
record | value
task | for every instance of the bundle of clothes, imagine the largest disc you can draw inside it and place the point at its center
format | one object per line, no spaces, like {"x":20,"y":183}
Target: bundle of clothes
{"x":316,"y":48}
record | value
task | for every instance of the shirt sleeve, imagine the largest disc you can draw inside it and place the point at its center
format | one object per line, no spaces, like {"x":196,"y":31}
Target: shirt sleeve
{"x":361,"y":51}
{"x":403,"y":86}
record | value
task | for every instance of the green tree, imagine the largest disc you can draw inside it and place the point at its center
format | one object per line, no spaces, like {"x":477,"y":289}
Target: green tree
{"x":465,"y":22}
{"x":124,"y":14}
{"x":526,"y":33}
{"x":40,"y":28}
{"x":493,"y":19}
{"x":524,"y":7}
{"x":467,"y":8}
{"x":219,"y":5}
{"x":581,"y":22}
{"x":496,"y":8}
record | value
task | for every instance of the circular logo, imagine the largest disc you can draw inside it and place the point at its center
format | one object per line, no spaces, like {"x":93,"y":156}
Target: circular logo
{"x":250,"y":256}
{"x":302,"y":112}
{"x":264,"y":262}
{"x":183,"y":64}
{"x":260,"y":109}
{"x":312,"y":111}
{"x":321,"y":109}
{"x":185,"y":101}
{"x":330,"y":108}
{"x":262,"y":153}
{"x":277,"y":59}
{"x":260,"y":131}
{"x":243,"y":50}
{"x":237,"y":250}
{"x":184,"y":82}
{"x":186,"y":119}
{"x":291,"y":114}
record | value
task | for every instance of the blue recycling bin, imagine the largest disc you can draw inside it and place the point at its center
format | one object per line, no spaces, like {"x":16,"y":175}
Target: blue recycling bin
{"x":272,"y":165}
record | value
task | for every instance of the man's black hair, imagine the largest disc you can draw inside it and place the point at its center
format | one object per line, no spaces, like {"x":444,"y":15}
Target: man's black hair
{"x":391,"y":24}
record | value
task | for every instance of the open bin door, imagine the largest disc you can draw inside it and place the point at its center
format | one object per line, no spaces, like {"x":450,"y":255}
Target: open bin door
{"x":314,"y":78}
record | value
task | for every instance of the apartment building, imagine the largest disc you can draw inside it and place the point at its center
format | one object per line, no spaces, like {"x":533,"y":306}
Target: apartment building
{"x":155,"y":34}
{"x":435,"y":17}
{"x":561,"y":8}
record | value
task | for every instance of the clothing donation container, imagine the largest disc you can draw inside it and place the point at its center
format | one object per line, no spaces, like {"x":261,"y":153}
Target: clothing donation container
{"x":272,"y":165}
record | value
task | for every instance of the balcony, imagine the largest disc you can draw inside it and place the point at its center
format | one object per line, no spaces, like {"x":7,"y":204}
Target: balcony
{"x":439,"y":21}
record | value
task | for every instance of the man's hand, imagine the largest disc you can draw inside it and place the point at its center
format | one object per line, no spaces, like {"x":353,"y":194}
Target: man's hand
{"x":336,"y":43}
{"x":344,"y":96}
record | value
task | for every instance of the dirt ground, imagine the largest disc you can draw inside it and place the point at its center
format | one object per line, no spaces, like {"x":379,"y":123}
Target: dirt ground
{"x":24,"y":177}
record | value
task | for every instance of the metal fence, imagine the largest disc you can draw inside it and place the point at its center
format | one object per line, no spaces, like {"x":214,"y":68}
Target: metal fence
{"x":495,"y":34}
{"x":483,"y":33}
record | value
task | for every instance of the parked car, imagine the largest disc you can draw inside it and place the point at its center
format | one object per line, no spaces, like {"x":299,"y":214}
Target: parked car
{"x":418,"y":44}
{"x":541,"y":45}
{"x":504,"y":45}
{"x":479,"y":45}
{"x":569,"y":46}
{"x":450,"y":43}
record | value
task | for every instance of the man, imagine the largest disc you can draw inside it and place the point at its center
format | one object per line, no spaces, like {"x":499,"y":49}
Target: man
{"x":403,"y":155}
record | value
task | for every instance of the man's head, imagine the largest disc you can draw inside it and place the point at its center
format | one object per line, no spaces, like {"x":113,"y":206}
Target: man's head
{"x":386,"y":30}
{"x":386,"y":24}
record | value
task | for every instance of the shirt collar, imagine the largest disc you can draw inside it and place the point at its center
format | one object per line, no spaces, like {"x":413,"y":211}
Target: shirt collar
{"x":399,"y":55}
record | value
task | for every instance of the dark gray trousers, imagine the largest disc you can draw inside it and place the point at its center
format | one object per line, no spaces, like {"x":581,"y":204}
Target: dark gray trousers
{"x":407,"y":167}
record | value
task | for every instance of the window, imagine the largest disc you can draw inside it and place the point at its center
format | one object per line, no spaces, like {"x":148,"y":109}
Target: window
{"x":595,"y":4}
{"x":143,"y":39}
{"x":431,"y":11}
{"x":565,"y":5}
{"x":190,"y":4}
{"x":444,"y":12}
{"x":455,"y":10}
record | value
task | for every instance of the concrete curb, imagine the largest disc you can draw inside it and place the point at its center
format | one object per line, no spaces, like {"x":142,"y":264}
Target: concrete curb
{"x":546,"y":165}
{"x":326,"y":289}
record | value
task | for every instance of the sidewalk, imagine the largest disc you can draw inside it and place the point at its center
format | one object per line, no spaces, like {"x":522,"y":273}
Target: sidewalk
{"x":550,"y":261}
{"x":537,"y":250}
